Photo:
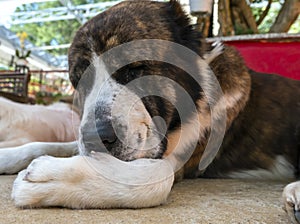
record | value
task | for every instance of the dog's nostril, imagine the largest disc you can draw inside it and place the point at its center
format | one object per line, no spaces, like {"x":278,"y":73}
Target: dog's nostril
{"x":106,"y":132}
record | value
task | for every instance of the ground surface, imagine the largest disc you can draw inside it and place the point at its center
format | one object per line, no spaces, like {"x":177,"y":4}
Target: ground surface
{"x":191,"y":201}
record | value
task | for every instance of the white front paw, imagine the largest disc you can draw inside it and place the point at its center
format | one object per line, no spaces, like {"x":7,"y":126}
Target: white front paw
{"x":35,"y":186}
{"x":291,"y":200}
{"x":24,"y":193}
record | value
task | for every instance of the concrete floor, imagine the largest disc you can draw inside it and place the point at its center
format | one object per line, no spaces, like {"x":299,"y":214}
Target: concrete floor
{"x":191,"y":201}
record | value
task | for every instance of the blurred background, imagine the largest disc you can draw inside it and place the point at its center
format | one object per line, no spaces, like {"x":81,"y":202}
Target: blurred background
{"x":35,"y":36}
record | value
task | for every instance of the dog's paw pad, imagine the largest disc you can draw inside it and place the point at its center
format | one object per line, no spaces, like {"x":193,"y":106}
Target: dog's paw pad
{"x":27,"y":194}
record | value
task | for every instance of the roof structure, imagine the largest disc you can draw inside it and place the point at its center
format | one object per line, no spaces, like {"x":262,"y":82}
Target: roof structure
{"x":39,"y":57}
{"x":9,"y":42}
{"x":68,"y":11}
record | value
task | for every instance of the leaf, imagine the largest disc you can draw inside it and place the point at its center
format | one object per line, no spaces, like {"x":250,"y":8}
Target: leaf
{"x":28,"y":54}
{"x":17,"y":53}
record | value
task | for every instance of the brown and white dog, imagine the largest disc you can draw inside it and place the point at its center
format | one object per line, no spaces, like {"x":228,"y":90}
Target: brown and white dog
{"x":262,"y":138}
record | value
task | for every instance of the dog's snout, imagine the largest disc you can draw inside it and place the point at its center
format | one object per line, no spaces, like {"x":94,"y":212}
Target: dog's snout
{"x":106,"y":132}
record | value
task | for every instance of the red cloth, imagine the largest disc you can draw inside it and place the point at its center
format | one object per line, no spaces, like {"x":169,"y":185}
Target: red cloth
{"x":281,"y":58}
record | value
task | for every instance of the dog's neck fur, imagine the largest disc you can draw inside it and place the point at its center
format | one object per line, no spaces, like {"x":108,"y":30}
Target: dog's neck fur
{"x":235,"y":84}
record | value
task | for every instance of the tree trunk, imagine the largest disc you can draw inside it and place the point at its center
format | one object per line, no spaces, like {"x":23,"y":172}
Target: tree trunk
{"x":244,"y":21}
{"x":286,"y":17}
{"x":203,"y":24}
{"x":265,"y":13}
{"x":224,"y":17}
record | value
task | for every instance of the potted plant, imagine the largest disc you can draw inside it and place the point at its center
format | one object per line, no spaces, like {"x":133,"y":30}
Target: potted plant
{"x":23,"y":54}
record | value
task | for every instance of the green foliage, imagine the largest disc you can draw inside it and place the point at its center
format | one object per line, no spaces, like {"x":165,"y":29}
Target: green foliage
{"x":18,"y":53}
{"x":295,"y":28}
{"x":27,"y":54}
{"x":266,"y":24}
{"x":47,"y":98}
{"x":50,"y":33}
{"x":22,"y":55}
{"x":239,"y":30}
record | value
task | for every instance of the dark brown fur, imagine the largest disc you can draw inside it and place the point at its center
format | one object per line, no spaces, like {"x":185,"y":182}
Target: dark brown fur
{"x":267,"y":126}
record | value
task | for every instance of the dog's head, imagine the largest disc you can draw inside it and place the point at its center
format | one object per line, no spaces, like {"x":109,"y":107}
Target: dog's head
{"x":134,"y":116}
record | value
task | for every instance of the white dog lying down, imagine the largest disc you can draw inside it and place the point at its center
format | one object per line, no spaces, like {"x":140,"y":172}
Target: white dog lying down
{"x":21,"y":123}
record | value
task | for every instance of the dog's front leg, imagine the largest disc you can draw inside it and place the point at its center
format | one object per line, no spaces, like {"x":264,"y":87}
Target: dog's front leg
{"x":291,"y":201}
{"x":86,"y":182}
{"x":13,"y":143}
{"x":14,"y":159}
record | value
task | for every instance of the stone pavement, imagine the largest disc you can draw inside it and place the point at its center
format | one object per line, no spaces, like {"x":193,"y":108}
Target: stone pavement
{"x":191,"y":201}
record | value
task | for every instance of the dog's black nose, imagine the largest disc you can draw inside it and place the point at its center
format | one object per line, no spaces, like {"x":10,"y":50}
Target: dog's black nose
{"x":106,"y":132}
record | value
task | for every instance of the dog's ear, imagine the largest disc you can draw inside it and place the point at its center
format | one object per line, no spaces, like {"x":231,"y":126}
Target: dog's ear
{"x":234,"y":79}
{"x":181,"y":28}
{"x":181,"y":16}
